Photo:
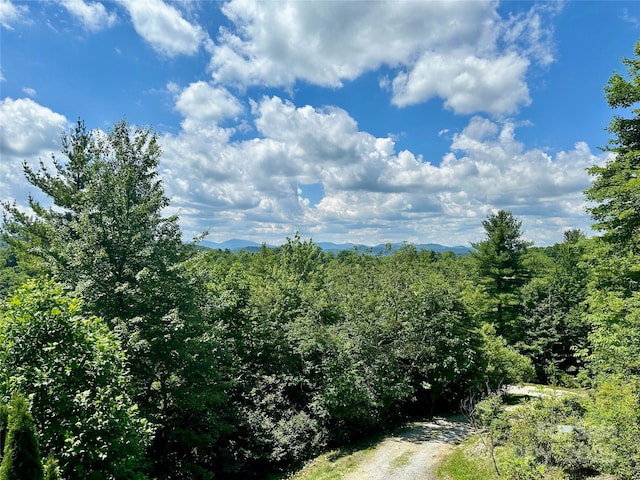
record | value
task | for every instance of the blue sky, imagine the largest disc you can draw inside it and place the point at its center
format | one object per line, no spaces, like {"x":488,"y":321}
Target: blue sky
{"x":367,"y":122}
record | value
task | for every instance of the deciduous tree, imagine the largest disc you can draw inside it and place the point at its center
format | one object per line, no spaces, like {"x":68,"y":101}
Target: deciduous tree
{"x":73,"y":369}
{"x":107,"y":236}
{"x":616,"y":186}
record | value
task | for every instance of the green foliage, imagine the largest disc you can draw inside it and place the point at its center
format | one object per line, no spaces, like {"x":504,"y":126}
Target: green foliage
{"x":616,"y":187}
{"x":594,"y":294}
{"x":21,"y":456}
{"x":409,"y":336}
{"x":549,"y":431}
{"x":73,"y":370}
{"x":51,"y":469}
{"x":615,"y":340}
{"x":15,"y":269}
{"x":526,"y":468}
{"x":569,"y":436}
{"x":505,"y":365}
{"x":553,"y":311}
{"x":499,"y":260}
{"x":4,"y":426}
{"x":326,"y":349}
{"x":106,"y":236}
{"x":613,"y":422}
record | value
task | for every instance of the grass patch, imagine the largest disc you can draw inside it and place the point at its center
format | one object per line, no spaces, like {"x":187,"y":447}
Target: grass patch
{"x":333,"y":465}
{"x":465,"y":464}
{"x":402,"y":460}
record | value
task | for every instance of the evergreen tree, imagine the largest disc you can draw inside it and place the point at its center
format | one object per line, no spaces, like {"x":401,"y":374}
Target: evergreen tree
{"x":499,"y":260}
{"x":614,"y":287}
{"x":554,"y":324}
{"x":4,"y":426}
{"x":21,"y":459}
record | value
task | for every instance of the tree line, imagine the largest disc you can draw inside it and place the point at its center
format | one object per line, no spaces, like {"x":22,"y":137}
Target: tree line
{"x":132,"y":354}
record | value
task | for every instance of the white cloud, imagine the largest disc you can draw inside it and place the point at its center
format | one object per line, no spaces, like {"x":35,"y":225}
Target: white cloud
{"x":466,"y":82}
{"x":531,"y":32}
{"x":462,"y":52}
{"x":10,"y":13}
{"x":328,"y":42}
{"x":205,"y":104}
{"x":371,"y":192}
{"x":28,"y":131}
{"x":93,"y":15}
{"x":164,"y":28}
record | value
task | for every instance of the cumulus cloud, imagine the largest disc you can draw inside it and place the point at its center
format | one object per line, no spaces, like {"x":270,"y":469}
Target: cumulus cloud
{"x":466,"y":82}
{"x":370,"y":189}
{"x":28,"y":131}
{"x":163,"y":27}
{"x":202,"y":103}
{"x":93,"y":15}
{"x":10,"y":13}
{"x":462,"y":52}
{"x":326,"y":43}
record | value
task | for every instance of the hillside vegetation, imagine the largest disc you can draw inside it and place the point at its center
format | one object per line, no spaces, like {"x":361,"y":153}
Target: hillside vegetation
{"x":128,"y":354}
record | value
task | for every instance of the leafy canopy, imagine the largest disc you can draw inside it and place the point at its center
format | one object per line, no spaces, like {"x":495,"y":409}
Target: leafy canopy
{"x":73,"y":370}
{"x":616,"y":187}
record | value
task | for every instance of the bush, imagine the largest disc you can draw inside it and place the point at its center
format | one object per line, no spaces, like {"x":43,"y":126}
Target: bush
{"x":613,"y":422}
{"x":550,"y":432}
{"x":504,"y":365}
{"x":73,"y":370}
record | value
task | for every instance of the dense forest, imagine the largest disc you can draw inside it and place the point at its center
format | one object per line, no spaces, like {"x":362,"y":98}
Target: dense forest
{"x":126,"y":353}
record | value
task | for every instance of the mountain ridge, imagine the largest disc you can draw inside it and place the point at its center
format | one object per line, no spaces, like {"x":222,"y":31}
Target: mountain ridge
{"x":236,"y":245}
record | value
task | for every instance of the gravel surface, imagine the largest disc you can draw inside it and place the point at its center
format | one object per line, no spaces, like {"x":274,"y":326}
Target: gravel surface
{"x":539,"y":391}
{"x":413,"y":453}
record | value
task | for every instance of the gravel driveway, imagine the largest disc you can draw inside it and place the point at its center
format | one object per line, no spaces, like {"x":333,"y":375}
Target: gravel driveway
{"x":413,"y":453}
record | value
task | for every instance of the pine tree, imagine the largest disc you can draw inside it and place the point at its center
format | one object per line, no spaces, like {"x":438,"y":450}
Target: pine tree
{"x":499,"y":260}
{"x":51,"y":469}
{"x":21,"y":459}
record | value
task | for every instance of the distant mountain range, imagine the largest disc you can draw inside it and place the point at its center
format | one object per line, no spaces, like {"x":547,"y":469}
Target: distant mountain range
{"x":236,"y":245}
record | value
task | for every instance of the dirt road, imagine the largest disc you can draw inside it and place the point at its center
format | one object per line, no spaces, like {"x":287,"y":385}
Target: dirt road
{"x":413,"y":453}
